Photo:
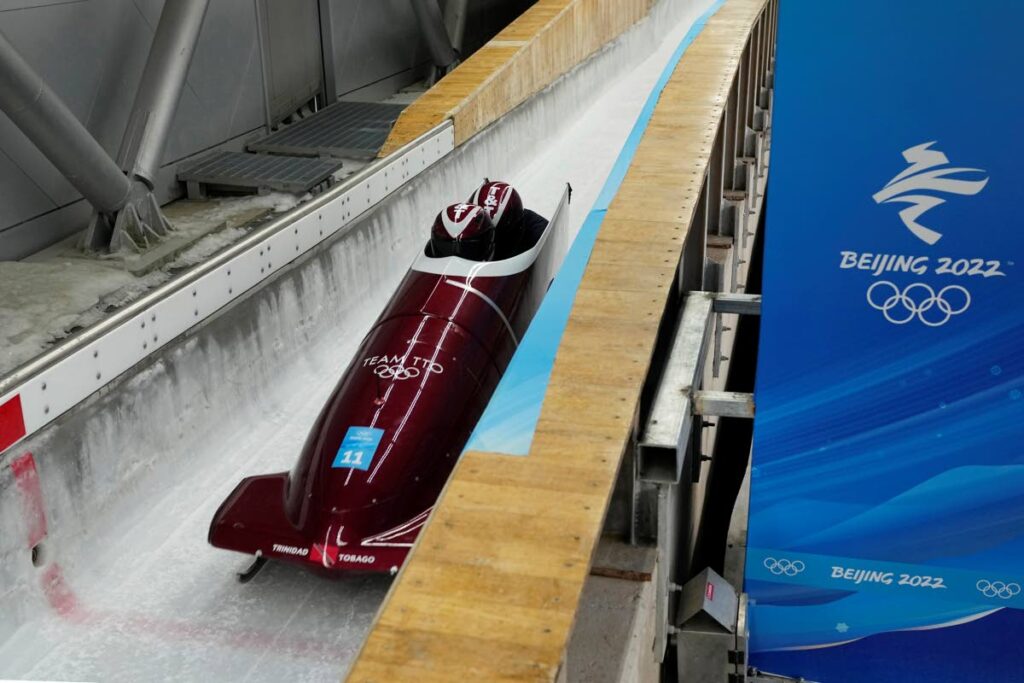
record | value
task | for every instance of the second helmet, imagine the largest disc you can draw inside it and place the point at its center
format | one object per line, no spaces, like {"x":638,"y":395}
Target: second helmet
{"x":463,"y":230}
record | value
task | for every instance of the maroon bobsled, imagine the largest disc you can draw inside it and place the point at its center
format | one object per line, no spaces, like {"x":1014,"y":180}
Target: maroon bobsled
{"x":383,"y":447}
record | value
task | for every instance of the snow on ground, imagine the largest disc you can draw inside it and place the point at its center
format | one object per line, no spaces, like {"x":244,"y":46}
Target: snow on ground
{"x":137,"y":593}
{"x":41,"y":301}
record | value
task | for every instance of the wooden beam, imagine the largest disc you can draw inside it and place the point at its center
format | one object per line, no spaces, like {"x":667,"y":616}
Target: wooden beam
{"x":491,"y":590}
{"x":545,"y":42}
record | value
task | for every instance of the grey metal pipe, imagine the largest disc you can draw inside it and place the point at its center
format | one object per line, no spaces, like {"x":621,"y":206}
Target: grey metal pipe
{"x":455,"y":12}
{"x":262,"y":43}
{"x":327,"y":53}
{"x":163,"y":79}
{"x":431,"y":21}
{"x":45,"y":120}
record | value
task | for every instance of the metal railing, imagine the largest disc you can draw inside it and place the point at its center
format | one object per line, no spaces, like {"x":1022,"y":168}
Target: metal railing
{"x":79,"y":366}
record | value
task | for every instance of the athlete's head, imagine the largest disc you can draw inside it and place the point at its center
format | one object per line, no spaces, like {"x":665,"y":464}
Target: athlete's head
{"x":463,"y":230}
{"x":503,"y":205}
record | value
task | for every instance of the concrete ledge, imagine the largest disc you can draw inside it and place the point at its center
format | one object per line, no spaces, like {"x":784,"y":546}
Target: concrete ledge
{"x":613,"y":639}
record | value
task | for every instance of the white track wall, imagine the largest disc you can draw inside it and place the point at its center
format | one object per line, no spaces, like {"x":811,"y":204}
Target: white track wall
{"x":131,"y":477}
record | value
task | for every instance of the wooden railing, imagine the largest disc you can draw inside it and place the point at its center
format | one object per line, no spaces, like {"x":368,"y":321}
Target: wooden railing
{"x":491,"y":591}
{"x":544,"y":43}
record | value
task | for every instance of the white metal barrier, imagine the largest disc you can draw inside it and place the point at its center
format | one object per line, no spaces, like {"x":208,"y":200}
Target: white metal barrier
{"x":35,"y":394}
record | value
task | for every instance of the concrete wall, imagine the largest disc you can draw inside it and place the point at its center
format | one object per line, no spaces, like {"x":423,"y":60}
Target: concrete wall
{"x":376,"y":46}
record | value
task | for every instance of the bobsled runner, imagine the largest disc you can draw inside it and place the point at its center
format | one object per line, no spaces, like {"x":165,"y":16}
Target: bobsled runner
{"x":384,"y":445}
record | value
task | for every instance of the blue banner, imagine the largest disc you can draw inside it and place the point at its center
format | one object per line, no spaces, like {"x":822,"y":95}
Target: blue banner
{"x":887,"y":492}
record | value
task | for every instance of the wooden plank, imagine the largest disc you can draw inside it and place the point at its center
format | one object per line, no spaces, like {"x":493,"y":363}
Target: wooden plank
{"x":491,"y":590}
{"x":545,"y":42}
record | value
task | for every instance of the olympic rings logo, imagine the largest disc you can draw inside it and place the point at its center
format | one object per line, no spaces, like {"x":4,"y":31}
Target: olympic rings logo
{"x":918,"y":300}
{"x":998,"y":589}
{"x":395,"y":372}
{"x":783,"y":566}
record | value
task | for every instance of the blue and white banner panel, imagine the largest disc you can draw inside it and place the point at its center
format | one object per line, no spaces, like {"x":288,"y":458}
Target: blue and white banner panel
{"x":887,"y":492}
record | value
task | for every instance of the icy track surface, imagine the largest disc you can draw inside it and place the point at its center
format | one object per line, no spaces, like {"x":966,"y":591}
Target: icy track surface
{"x":137,"y":594}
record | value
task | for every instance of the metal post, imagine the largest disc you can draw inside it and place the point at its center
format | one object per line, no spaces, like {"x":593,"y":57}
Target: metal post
{"x":262,"y":30}
{"x":45,"y":120}
{"x":428,"y":13}
{"x":140,"y":222}
{"x":327,"y":54}
{"x":455,"y":12}
{"x":156,"y":100}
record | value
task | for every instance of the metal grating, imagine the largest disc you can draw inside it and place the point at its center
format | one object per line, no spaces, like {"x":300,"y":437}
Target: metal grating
{"x":257,"y":171}
{"x":356,"y":130}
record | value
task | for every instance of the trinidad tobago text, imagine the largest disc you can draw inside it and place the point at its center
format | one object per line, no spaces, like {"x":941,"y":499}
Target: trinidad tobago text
{"x":290,"y":550}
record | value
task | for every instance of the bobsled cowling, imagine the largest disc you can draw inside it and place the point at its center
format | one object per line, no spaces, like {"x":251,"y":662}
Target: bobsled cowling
{"x":384,"y":445}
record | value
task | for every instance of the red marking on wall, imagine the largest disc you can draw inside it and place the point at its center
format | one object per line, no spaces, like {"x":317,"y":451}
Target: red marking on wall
{"x":66,"y":604}
{"x":26,"y":476}
{"x":12,"y":422}
{"x":57,"y":592}
{"x":141,"y":627}
{"x":709,"y":592}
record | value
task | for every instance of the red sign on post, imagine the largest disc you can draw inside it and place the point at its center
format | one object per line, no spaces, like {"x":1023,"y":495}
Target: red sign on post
{"x":12,"y":422}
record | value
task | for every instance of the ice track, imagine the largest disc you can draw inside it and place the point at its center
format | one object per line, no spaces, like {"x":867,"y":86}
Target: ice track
{"x":127,"y":588}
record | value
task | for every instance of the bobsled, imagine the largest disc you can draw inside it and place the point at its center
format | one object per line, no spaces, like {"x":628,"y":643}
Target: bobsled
{"x":383,"y":447}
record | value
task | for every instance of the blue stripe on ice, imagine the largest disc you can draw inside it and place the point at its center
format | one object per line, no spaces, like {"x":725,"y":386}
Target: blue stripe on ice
{"x":510,"y":420}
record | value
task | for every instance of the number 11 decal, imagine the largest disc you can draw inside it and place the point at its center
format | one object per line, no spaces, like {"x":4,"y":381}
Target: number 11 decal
{"x":358,"y":448}
{"x":353,"y":458}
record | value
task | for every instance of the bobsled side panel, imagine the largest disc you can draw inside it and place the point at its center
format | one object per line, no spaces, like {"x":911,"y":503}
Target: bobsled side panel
{"x":384,"y":445}
{"x":393,"y":430}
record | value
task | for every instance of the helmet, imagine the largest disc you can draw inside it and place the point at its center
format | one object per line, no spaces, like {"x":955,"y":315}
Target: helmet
{"x":502,"y":202}
{"x":463,"y":230}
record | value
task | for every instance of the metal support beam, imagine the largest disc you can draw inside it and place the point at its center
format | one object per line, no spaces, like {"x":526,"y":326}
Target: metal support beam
{"x":432,"y":26}
{"x":141,"y":222}
{"x":327,"y":56}
{"x":723,"y":404}
{"x":756,"y":676}
{"x":163,"y":79}
{"x":45,"y":120}
{"x":740,"y":304}
{"x":662,"y":447}
{"x":455,"y":12}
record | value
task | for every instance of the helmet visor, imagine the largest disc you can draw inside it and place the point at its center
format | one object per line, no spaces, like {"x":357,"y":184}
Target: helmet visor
{"x":477,"y":248}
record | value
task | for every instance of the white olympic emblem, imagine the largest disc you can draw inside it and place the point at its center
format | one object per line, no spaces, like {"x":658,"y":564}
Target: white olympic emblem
{"x":998,"y":589}
{"x":918,"y":300}
{"x":783,"y":566}
{"x":396,"y":372}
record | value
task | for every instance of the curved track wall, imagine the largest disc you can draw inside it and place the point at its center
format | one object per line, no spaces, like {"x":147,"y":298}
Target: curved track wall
{"x":119,"y":471}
